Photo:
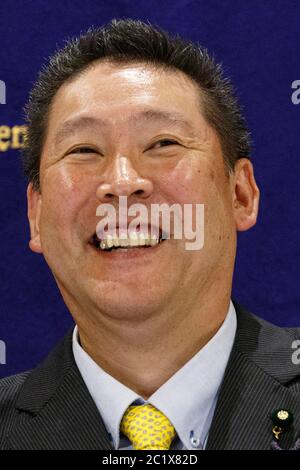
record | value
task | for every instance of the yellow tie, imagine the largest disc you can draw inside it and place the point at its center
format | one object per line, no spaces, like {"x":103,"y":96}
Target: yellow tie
{"x":147,"y":428}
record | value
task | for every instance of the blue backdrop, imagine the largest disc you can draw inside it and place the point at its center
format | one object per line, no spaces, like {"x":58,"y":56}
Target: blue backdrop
{"x":258,"y":42}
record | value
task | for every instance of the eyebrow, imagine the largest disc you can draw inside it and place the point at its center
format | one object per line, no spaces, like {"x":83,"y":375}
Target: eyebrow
{"x":72,"y":125}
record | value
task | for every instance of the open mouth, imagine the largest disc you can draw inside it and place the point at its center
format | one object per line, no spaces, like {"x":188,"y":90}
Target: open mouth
{"x":134,"y":240}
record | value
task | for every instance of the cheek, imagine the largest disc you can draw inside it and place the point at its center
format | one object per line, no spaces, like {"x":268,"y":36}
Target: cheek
{"x":198,"y":182}
{"x":190,"y":182}
{"x":62,"y":194}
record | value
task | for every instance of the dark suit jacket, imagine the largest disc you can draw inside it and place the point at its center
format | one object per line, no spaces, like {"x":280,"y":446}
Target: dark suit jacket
{"x":50,"y":407}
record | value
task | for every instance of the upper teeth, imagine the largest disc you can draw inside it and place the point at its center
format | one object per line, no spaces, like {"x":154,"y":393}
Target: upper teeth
{"x":131,"y":239}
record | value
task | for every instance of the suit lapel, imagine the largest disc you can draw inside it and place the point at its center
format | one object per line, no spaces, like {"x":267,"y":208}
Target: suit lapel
{"x":253,"y":387}
{"x":55,"y":409}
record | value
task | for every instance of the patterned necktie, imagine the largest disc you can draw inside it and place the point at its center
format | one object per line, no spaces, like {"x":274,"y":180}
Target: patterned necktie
{"x":147,"y":428}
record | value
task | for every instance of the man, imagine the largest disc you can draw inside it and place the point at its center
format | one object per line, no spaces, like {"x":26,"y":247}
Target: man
{"x":160,"y":356}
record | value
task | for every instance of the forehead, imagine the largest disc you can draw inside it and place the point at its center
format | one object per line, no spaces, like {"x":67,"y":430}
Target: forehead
{"x":115,"y":93}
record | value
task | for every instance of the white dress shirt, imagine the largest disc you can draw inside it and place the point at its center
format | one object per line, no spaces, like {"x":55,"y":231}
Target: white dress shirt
{"x":188,"y":398}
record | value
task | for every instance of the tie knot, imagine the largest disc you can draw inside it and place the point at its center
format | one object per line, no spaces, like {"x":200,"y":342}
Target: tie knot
{"x":147,"y":428}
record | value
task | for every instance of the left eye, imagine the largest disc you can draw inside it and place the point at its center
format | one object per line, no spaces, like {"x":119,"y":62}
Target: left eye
{"x":165,"y":143}
{"x":83,"y":150}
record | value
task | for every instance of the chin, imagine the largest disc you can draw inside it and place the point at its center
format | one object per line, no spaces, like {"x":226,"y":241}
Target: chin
{"x":125,"y":303}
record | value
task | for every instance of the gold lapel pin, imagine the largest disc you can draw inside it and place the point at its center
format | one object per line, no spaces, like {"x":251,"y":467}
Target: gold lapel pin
{"x":282,"y":419}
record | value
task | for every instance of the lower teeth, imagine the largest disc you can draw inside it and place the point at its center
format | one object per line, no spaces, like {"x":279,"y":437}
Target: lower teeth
{"x":115,"y":248}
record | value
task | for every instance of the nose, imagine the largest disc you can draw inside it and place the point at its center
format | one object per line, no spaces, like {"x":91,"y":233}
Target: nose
{"x":123,"y":180}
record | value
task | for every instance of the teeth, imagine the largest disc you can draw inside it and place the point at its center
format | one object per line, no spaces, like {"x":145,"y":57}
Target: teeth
{"x":109,"y":241}
{"x":132,"y":239}
{"x":103,"y":244}
{"x":142,"y":239}
{"x":154,"y":240}
{"x":123,"y":241}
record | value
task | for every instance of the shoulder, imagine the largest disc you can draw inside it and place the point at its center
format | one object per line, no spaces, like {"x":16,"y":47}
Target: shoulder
{"x":10,"y":388}
{"x":271,"y":347}
{"x":24,"y":394}
{"x":265,"y":332}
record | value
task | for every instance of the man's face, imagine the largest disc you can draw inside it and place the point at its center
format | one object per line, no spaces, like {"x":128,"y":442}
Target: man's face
{"x":135,"y":131}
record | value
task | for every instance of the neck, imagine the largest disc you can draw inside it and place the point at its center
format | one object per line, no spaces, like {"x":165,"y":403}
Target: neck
{"x":145,"y":354}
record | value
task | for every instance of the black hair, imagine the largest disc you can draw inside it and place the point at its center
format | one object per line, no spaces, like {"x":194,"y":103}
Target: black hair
{"x":125,"y":41}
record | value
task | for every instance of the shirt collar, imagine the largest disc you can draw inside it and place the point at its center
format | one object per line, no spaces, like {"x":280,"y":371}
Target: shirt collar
{"x":188,"y":398}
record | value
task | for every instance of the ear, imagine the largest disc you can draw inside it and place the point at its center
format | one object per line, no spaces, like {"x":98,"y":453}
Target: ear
{"x":245,"y":196}
{"x":34,"y":202}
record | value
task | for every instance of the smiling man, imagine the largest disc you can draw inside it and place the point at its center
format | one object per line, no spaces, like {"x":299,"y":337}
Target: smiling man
{"x":160,"y":357}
